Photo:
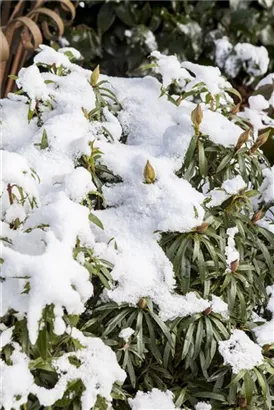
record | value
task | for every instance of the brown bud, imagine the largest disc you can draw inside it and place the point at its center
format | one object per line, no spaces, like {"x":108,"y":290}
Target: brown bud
{"x":95,"y":76}
{"x":149,"y":174}
{"x":266,"y":348}
{"x":234,"y":265}
{"x":207,"y":311}
{"x":236,"y":108}
{"x":261,"y":140}
{"x":242,"y":402}
{"x":257,"y":216}
{"x":242,"y":139}
{"x":142,"y":303}
{"x":202,"y":228}
{"x":197,"y":117}
{"x":126,"y":346}
{"x":179,"y":100}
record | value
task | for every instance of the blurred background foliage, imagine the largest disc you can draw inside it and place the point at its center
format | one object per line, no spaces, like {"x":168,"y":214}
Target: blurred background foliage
{"x":119,"y":35}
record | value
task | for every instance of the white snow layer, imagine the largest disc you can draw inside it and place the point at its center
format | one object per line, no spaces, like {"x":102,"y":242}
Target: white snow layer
{"x":240,"y":352}
{"x":156,"y":399}
{"x":265,"y":332}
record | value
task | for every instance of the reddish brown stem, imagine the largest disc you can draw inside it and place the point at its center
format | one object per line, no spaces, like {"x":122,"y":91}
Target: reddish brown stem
{"x":9,"y":189}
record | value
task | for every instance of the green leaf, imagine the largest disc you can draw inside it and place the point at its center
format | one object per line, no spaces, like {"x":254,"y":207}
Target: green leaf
{"x":225,"y":161}
{"x":248,"y":386}
{"x":163,"y":327}
{"x":93,"y":218}
{"x":131,"y":372}
{"x":44,"y":140}
{"x":30,"y":113}
{"x":105,"y":17}
{"x":152,"y":339}
{"x":116,"y":321}
{"x":202,"y":159}
{"x":262,"y":382}
{"x":198,"y":338}
{"x":237,"y":378}
{"x":188,"y":340}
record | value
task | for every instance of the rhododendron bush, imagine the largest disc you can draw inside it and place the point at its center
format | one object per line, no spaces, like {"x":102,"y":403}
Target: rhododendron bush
{"x":137,"y":240}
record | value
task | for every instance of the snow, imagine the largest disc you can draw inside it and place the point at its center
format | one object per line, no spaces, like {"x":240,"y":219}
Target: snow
{"x":254,"y":60}
{"x":156,"y":399}
{"x":234,"y":185}
{"x":150,"y":41}
{"x":6,"y":336}
{"x":230,"y":250}
{"x":30,"y":80}
{"x":210,"y":76}
{"x":219,"y":306}
{"x":202,"y":405}
{"x":229,"y":187}
{"x":15,"y":211}
{"x":240,"y":352}
{"x":265,"y":81}
{"x":126,"y":333}
{"x":49,"y":56}
{"x":17,"y":380}
{"x":170,"y":68}
{"x":267,"y":187}
{"x":78,"y":184}
{"x":258,"y":103}
{"x":70,"y":50}
{"x":265,"y":332}
{"x":54,"y":277}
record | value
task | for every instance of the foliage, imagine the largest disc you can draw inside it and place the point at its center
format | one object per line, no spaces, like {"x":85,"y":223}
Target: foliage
{"x":180,"y":354}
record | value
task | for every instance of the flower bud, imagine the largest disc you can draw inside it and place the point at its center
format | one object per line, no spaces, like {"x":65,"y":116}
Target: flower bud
{"x":236,"y":109}
{"x":234,"y":265}
{"x":95,"y":76}
{"x":197,"y":116}
{"x":257,"y":216}
{"x":207,"y":311}
{"x":242,"y":139}
{"x":261,"y":140}
{"x":266,"y":348}
{"x":149,"y":174}
{"x":242,"y":402}
{"x":85,"y":112}
{"x":142,"y":304}
{"x":202,"y":228}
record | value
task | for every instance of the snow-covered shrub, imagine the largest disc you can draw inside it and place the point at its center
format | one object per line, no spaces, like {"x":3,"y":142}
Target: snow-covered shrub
{"x":244,"y":56}
{"x":137,"y":242}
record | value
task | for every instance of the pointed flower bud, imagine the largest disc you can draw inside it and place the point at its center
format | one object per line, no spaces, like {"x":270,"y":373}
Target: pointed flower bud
{"x":242,"y":402}
{"x":202,"y":228}
{"x":149,"y":174}
{"x":142,"y":303}
{"x":258,"y":215}
{"x":207,"y":311}
{"x":242,"y":139}
{"x":234,"y":265}
{"x":261,"y":140}
{"x":236,"y":109}
{"x":95,"y":76}
{"x":197,"y":116}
